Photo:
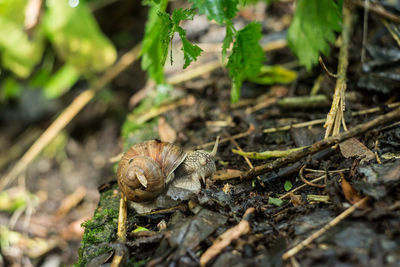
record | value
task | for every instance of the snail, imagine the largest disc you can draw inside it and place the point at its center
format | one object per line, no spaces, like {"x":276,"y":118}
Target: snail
{"x":156,"y":174}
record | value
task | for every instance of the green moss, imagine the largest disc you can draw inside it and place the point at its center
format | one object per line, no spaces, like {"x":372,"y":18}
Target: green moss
{"x":100,"y":231}
{"x":132,"y":262}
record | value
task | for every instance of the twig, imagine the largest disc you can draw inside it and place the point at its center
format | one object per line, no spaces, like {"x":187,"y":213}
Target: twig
{"x":394,"y":31}
{"x":296,"y":125}
{"x":156,"y":111}
{"x":194,"y":72}
{"x":379,"y":10}
{"x":320,"y":232}
{"x":122,"y":215}
{"x":320,"y":121}
{"x":15,"y":151}
{"x":373,"y":110}
{"x":226,"y":238}
{"x":68,"y":114}
{"x":240,"y":149}
{"x":301,"y":186}
{"x":320,"y":145}
{"x":245,"y":158}
{"x":323,"y":171}
{"x":321,"y":61}
{"x":267,"y":154}
{"x":317,"y":85}
{"x":70,"y":201}
{"x":308,"y":182}
{"x":223,"y":140}
{"x":365,"y":30}
{"x":215,"y":64}
{"x":335,"y":116}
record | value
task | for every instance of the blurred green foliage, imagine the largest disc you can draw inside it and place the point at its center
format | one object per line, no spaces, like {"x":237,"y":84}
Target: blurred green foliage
{"x":313,"y":29}
{"x":75,"y":39}
{"x":246,"y":58}
{"x":311,"y":32}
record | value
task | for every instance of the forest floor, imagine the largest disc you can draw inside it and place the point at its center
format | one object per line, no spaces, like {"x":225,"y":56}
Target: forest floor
{"x":238,"y":219}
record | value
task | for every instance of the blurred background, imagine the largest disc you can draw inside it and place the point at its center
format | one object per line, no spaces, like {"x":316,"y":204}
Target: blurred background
{"x":50,"y":52}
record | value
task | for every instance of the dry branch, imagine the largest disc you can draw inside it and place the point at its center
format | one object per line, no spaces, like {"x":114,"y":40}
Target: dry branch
{"x":320,"y":232}
{"x":335,"y":116}
{"x":320,"y":145}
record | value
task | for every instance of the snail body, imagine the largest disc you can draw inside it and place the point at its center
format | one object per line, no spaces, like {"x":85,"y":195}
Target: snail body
{"x":153,"y":171}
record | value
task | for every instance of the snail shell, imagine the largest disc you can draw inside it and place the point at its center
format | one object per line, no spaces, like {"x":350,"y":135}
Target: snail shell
{"x":146,"y":169}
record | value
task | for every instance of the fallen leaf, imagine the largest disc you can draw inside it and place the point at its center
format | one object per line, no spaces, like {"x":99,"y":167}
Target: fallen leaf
{"x":354,"y":148}
{"x":295,"y":199}
{"x":349,"y":192}
{"x":165,"y":131}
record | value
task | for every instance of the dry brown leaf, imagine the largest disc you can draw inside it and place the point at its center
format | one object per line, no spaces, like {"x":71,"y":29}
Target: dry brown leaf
{"x":295,"y":199}
{"x":351,"y":195}
{"x":354,"y":148}
{"x":165,"y":131}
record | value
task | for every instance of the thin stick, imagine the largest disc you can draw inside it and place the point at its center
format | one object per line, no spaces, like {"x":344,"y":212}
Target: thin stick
{"x":223,"y":140}
{"x":321,"y":61}
{"x":194,"y":72}
{"x":215,"y":64}
{"x":379,"y":10}
{"x":335,"y":115}
{"x":227,"y":237}
{"x":394,"y":31}
{"x":121,"y":232}
{"x":308,"y":182}
{"x":68,"y":114}
{"x":233,"y":141}
{"x":301,"y":186}
{"x":321,"y":171}
{"x":365,"y":30}
{"x":325,"y":143}
{"x":297,"y":125}
{"x":311,"y":238}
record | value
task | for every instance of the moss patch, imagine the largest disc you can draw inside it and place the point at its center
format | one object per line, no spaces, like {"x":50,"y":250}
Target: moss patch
{"x":101,"y":230}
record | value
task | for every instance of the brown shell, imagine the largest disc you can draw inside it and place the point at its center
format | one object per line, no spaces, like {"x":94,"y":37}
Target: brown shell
{"x":156,"y":160}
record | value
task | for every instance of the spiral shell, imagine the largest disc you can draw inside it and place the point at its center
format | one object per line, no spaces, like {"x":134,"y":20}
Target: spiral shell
{"x":146,"y":169}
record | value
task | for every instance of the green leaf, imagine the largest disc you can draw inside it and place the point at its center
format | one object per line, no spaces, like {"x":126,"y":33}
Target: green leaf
{"x":61,"y":81}
{"x":312,"y":29}
{"x":219,"y":10}
{"x":140,"y":229}
{"x":246,"y":58}
{"x":75,"y":35}
{"x":19,"y":53}
{"x":273,"y":75}
{"x":152,"y":48}
{"x":182,"y":14}
{"x":288,"y":185}
{"x":275,"y":201}
{"x":170,"y":25}
{"x":166,"y":35}
{"x":190,"y":51}
{"x":229,"y":34}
